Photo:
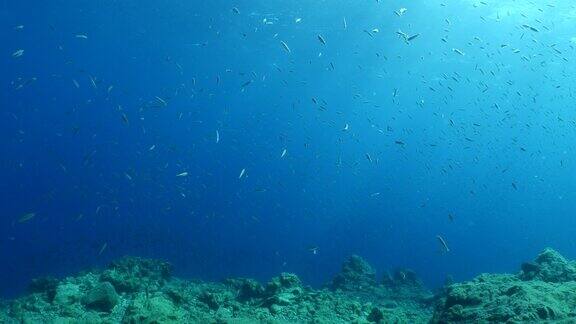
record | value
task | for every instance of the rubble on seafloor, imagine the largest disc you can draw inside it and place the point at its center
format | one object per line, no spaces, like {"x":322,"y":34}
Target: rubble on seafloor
{"x":136,"y":290}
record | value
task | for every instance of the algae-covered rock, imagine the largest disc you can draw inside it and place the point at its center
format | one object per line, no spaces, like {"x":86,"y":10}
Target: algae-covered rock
{"x":151,"y":296}
{"x":284,"y":282}
{"x":132,"y":274}
{"x":282,"y":291}
{"x":356,"y":274}
{"x":67,"y":294}
{"x":248,"y":289}
{"x":102,"y":298}
{"x":506,"y":298}
{"x":177,"y":296}
{"x":542,"y":292}
{"x":375,"y":315}
{"x":153,"y":309}
{"x":402,"y":278}
{"x":215,"y":299}
{"x":44,"y":285}
{"x":549,"y":266}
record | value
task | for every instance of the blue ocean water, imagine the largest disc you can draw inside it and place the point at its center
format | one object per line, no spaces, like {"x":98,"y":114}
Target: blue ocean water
{"x":247,"y":138}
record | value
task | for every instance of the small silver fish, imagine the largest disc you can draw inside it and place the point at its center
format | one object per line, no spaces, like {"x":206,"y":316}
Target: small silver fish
{"x":18,"y":53}
{"x":162,"y":101}
{"x":93,"y":81}
{"x":459,"y":52}
{"x":443,"y":243}
{"x":369,"y":157}
{"x":400,"y":12}
{"x":286,"y":47}
{"x":103,"y":248}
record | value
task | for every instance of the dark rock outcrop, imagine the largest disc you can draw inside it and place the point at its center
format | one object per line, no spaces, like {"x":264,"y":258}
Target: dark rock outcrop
{"x":402,"y":278}
{"x":132,"y":274}
{"x":283,"y":290}
{"x":356,"y":274}
{"x":46,"y":285}
{"x":248,"y":289}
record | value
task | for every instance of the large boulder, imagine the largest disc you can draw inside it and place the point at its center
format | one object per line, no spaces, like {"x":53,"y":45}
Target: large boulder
{"x":67,"y":294}
{"x":247,"y":289}
{"x":102,"y":297}
{"x":283,"y":290}
{"x":133,"y":274}
{"x":544,"y":291}
{"x":402,"y":278}
{"x":549,"y":266}
{"x":356,"y":274}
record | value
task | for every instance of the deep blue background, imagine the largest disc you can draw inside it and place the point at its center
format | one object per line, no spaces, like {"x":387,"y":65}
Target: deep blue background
{"x":473,"y":127}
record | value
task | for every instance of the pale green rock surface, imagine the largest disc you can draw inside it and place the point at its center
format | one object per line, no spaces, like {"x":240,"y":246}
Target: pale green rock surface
{"x":544,"y":291}
{"x":135,"y":290}
{"x":102,"y":297}
{"x":67,"y":294}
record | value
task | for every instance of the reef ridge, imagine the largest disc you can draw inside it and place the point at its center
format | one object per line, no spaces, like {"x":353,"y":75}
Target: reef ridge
{"x":137,"y":290}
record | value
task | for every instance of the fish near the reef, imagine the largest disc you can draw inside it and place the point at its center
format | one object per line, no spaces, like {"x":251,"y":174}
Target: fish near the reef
{"x":443,"y":243}
{"x":102,"y":249}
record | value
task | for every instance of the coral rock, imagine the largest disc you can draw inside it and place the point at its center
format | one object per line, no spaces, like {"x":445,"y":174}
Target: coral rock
{"x":356,"y":274}
{"x":544,"y":291}
{"x":137,"y":274}
{"x":102,"y":298}
{"x":549,"y":266}
{"x":67,"y":294}
{"x":248,"y":289}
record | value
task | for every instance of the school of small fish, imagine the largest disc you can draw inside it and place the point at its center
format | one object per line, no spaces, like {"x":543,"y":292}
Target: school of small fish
{"x":345,"y":102}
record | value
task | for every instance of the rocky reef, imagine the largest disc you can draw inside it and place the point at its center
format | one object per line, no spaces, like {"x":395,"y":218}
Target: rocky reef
{"x":543,"y":291}
{"x":135,"y":290}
